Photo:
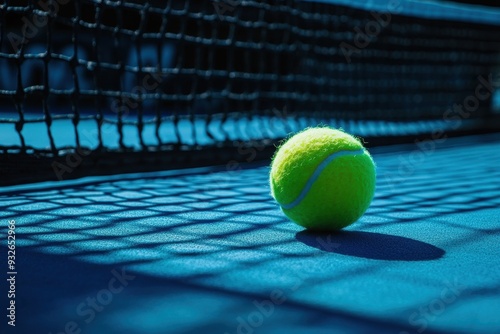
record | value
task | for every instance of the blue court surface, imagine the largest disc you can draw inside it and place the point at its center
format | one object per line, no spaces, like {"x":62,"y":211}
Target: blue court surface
{"x":208,"y":251}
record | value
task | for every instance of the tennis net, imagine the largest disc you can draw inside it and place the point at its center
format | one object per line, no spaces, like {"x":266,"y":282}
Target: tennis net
{"x":98,"y":87}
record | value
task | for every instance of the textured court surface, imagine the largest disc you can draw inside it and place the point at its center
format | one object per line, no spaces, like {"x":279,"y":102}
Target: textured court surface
{"x":205,"y":246}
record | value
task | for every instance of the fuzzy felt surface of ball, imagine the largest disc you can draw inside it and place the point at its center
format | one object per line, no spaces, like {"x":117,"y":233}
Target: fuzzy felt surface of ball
{"x":323,"y":179}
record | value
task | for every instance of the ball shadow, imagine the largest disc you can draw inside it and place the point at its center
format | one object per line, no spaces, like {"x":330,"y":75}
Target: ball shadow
{"x":371,"y":245}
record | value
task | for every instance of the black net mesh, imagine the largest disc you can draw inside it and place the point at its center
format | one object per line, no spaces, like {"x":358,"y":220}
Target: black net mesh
{"x":91,"y":87}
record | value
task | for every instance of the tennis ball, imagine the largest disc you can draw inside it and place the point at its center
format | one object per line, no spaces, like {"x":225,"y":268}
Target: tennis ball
{"x":323,"y":179}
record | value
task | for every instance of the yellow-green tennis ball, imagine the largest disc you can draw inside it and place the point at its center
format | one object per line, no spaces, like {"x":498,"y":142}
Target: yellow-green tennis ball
{"x":323,"y":179}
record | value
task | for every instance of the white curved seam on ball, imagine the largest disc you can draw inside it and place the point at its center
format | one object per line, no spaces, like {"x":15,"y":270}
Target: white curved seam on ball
{"x":317,"y":172}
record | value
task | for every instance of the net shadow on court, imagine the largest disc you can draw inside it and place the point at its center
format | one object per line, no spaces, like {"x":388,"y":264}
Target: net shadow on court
{"x":186,"y":232}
